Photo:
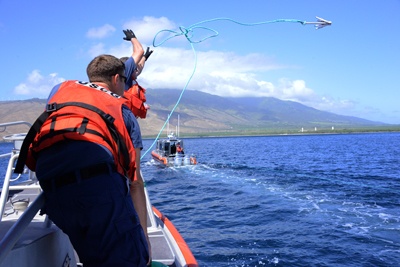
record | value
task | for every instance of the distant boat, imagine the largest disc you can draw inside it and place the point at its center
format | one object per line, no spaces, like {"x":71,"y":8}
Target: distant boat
{"x":170,"y":152}
{"x":31,"y":239}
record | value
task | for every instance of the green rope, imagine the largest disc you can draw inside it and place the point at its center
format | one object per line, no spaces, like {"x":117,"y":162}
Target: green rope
{"x":189,"y":34}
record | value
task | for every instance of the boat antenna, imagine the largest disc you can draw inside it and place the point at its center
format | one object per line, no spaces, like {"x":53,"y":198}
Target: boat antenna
{"x":168,"y":124}
{"x":177,"y":131}
{"x":188,"y":33}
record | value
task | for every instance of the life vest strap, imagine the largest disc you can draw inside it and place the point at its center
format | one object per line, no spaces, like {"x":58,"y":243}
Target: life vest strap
{"x":82,"y":128}
{"x":52,"y":134}
{"x":30,"y":136}
{"x":51,"y":107}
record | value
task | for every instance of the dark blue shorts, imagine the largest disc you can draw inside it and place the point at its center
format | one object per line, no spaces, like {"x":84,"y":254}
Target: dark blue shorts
{"x":99,"y":217}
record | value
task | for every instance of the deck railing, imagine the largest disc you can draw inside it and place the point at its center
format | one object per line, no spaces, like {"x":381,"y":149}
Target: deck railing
{"x":14,"y":233}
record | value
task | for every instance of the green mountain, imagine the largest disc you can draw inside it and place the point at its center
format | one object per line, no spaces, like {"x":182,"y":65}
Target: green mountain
{"x":202,"y":114}
{"x":205,"y":113}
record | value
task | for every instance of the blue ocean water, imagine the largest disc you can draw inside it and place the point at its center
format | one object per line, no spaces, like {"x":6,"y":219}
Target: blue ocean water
{"x":306,"y":200}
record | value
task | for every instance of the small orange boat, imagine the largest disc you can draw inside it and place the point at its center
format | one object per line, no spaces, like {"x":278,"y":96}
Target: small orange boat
{"x":170,"y":152}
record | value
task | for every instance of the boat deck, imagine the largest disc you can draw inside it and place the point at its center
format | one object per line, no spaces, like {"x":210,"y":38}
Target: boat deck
{"x":41,"y":228}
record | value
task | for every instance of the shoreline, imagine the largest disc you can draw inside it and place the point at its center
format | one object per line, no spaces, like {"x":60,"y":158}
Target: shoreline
{"x":258,"y":133}
{"x":309,"y":133}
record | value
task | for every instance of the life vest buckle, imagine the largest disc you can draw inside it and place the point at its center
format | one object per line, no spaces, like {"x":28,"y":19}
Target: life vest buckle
{"x":109,"y":118}
{"x":51,"y":107}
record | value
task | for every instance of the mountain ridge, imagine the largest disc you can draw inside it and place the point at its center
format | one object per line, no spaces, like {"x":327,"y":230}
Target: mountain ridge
{"x":204,"y":114}
{"x":244,"y":114}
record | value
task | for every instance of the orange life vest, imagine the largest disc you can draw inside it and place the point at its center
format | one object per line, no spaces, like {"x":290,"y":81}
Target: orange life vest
{"x":86,"y":112}
{"x":178,"y":148}
{"x":135,"y":98}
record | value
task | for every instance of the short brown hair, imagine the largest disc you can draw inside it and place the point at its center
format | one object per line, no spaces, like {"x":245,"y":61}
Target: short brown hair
{"x":103,"y":67}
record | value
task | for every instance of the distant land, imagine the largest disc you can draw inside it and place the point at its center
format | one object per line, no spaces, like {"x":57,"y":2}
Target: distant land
{"x":201,"y":114}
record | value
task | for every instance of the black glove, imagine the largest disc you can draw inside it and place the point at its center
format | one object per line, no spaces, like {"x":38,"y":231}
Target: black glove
{"x":148,"y":53}
{"x":128,"y":35}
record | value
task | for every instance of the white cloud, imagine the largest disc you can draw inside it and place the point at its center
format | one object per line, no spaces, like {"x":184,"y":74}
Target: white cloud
{"x":101,"y":32}
{"x":230,"y":75}
{"x":220,"y":73}
{"x":215,"y":72}
{"x":37,"y":85}
{"x":295,"y":90}
{"x":145,"y":29}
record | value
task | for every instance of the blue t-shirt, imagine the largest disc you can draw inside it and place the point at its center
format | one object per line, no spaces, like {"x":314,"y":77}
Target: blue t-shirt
{"x":130,"y":67}
{"x":133,"y":127}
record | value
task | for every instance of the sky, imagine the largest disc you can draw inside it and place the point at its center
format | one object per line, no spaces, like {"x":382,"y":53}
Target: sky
{"x":349,"y":68}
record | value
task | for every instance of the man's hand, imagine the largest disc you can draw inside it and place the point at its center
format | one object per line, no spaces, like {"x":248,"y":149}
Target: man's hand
{"x":128,"y":35}
{"x":148,"y":53}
